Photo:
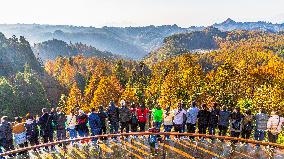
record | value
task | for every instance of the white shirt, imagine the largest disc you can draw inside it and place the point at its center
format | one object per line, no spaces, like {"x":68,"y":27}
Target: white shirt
{"x":178,"y":116}
{"x":274,"y":123}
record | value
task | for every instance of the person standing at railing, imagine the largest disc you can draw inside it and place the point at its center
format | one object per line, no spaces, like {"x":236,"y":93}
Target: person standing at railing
{"x":32,"y":130}
{"x":124,"y":116}
{"x":95,"y":124}
{"x":157,"y":115}
{"x":60,"y":124}
{"x":247,"y":125}
{"x":274,"y":126}
{"x":179,"y":118}
{"x":71,"y":123}
{"x":213,"y":119}
{"x":82,"y":120}
{"x":134,"y":118}
{"x":191,"y":115}
{"x":142,"y":114}
{"x":203,"y":117}
{"x":168,"y":121}
{"x":103,"y":116}
{"x":7,"y":137}
{"x":46,"y":128}
{"x":20,"y":134}
{"x":224,"y":121}
{"x":236,"y":123}
{"x":113,"y":117}
{"x":261,"y":120}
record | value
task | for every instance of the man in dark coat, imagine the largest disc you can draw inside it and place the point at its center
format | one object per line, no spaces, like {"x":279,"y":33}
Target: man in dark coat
{"x":59,"y":121}
{"x":45,"y":123}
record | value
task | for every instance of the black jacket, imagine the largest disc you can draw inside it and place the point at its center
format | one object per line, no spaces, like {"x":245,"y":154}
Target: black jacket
{"x":213,"y":117}
{"x":45,"y":123}
{"x":113,"y":114}
{"x":60,"y":120}
{"x":203,"y":117}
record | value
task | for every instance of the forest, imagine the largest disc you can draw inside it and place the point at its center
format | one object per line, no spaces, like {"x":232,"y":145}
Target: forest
{"x":242,"y":69}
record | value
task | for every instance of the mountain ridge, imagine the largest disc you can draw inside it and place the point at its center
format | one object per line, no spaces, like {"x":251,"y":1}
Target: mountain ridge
{"x":131,"y":42}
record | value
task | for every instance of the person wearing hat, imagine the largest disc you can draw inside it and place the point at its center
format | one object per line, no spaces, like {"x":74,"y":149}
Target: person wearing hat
{"x":274,"y":126}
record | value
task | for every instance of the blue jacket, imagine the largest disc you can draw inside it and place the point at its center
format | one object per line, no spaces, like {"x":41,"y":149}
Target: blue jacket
{"x":192,"y":115}
{"x":95,"y":121}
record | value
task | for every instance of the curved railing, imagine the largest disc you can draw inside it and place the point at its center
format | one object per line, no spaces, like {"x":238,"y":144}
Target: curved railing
{"x":227,"y":138}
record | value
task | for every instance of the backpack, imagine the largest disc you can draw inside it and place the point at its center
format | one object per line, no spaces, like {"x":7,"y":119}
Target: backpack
{"x":248,"y":126}
{"x":134,"y":119}
{"x":236,"y":125}
{"x":31,"y":129}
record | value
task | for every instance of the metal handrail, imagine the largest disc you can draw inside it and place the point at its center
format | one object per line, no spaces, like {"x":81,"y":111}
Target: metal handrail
{"x":280,"y":146}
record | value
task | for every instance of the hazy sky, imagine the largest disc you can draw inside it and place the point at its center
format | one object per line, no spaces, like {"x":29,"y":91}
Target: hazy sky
{"x":139,"y":12}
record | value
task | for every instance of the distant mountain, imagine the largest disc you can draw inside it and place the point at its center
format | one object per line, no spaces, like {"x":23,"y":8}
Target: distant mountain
{"x":14,"y":54}
{"x":51,"y":49}
{"x":186,"y":42}
{"x":229,"y":25}
{"x":133,"y":42}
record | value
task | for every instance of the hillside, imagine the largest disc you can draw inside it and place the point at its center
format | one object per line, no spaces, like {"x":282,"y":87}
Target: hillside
{"x":14,"y":54}
{"x":51,"y":49}
{"x":186,"y":42}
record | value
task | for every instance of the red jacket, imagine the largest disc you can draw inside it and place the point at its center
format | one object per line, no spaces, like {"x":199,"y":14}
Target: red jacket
{"x":142,"y":115}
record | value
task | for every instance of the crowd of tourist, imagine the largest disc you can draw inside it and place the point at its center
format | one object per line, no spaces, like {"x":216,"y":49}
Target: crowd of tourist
{"x":130,"y":117}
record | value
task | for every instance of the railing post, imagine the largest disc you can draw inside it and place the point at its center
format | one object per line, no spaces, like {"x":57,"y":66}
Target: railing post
{"x":164,"y":151}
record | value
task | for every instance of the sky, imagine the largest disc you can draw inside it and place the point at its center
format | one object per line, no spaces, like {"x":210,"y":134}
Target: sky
{"x":99,"y":13}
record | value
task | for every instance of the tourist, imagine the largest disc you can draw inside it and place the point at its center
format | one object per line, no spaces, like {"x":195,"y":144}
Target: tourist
{"x":71,"y":123}
{"x":168,"y":121}
{"x":32,"y":130}
{"x":59,"y":122}
{"x":142,"y":114}
{"x":247,"y":125}
{"x":82,"y":120}
{"x":203,"y":117}
{"x":191,"y":115}
{"x":157,"y":115}
{"x":236,"y":123}
{"x":103,"y":115}
{"x":274,"y":127}
{"x":20,"y":134}
{"x":134,"y":118}
{"x":46,"y":129}
{"x":179,"y":118}
{"x":224,"y":121}
{"x":113,"y":117}
{"x":95,"y":124}
{"x":261,"y":120}
{"x":6,"y":128}
{"x":213,"y":119}
{"x":124,"y":116}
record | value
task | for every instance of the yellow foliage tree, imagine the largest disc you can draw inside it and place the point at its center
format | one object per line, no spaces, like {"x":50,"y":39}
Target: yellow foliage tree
{"x":74,"y":98}
{"x":108,"y":90}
